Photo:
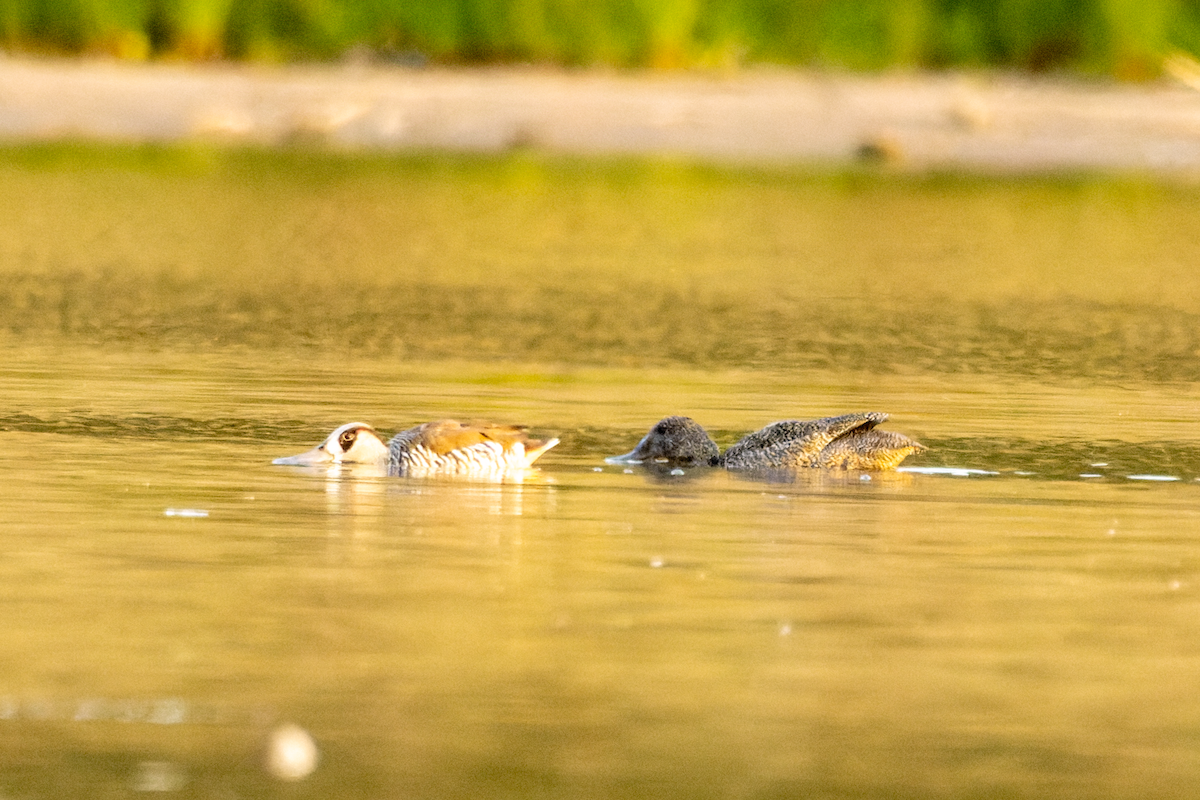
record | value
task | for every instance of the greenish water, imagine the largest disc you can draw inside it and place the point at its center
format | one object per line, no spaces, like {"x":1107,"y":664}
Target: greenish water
{"x":170,"y":321}
{"x":601,"y":263}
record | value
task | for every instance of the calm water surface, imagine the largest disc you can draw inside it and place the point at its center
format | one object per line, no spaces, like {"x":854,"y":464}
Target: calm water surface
{"x":1031,"y":628}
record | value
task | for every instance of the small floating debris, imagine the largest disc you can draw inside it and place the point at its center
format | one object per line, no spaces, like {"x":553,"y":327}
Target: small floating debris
{"x":1099,"y":464}
{"x":1162,"y":478}
{"x":864,"y":477}
{"x":678,"y":471}
{"x":958,"y":472}
{"x":185,"y":512}
{"x":158,"y":776}
{"x":292,"y":754}
{"x":1090,"y":475}
{"x":656,"y":562}
{"x":597,"y":469}
{"x":881,"y":150}
{"x":164,"y":711}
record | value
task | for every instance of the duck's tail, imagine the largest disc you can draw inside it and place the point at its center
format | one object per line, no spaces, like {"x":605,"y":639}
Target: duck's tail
{"x":868,"y":448}
{"x":534,"y":449}
{"x":891,"y":449}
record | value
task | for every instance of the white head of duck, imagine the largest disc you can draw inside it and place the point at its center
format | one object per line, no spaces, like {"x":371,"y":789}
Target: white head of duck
{"x":443,"y":447}
{"x":352,"y":443}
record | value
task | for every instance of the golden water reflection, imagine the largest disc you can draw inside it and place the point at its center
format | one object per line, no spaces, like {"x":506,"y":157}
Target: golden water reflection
{"x":1013,"y":615}
{"x":593,"y":630}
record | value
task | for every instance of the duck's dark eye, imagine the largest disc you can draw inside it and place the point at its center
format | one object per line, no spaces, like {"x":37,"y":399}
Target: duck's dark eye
{"x":346,"y":440}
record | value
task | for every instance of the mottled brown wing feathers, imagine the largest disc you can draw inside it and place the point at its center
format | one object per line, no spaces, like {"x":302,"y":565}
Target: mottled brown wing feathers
{"x":865,"y":448}
{"x":796,"y":442}
{"x":446,"y":435}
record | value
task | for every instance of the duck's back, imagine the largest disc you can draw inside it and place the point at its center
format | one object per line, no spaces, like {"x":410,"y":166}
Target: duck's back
{"x":449,"y":447}
{"x":846,"y":442}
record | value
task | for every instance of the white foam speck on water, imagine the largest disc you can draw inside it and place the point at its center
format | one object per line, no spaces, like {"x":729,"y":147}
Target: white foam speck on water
{"x":678,"y":471}
{"x":8,"y":708}
{"x":185,"y":512}
{"x":172,"y":711}
{"x":158,"y":776}
{"x":1090,"y":475}
{"x":656,"y":562}
{"x":957,"y":472}
{"x":291,"y":753}
{"x":1162,"y":478}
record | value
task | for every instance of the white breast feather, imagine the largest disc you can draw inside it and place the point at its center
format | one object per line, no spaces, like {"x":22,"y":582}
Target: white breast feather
{"x":482,"y":459}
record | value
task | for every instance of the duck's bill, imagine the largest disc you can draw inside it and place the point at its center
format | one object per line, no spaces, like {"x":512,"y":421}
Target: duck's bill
{"x":632,"y":457}
{"x":314,"y":457}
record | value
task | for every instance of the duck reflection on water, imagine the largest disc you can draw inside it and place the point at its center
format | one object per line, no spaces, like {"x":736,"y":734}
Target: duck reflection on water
{"x":849,"y":441}
{"x":444,"y":447}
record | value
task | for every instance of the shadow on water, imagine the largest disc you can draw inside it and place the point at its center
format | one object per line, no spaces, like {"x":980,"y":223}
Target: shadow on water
{"x":636,"y":324}
{"x":153,"y":426}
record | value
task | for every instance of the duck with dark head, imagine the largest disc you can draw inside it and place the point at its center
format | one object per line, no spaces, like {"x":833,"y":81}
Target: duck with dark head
{"x":850,"y":441}
{"x":676,"y":441}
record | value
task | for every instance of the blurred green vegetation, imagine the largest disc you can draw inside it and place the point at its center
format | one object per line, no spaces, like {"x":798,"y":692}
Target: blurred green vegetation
{"x":1126,"y":38}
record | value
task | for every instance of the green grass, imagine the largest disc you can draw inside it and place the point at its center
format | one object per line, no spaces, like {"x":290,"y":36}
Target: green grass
{"x":1120,"y":37}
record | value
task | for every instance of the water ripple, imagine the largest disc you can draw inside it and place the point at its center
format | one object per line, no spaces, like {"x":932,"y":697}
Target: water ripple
{"x":955,"y":456}
{"x":154,"y":426}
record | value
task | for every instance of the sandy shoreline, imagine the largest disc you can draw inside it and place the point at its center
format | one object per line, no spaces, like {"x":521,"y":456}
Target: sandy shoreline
{"x":976,"y":122}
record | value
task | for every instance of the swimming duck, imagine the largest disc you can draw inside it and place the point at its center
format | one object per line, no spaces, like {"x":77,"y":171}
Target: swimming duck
{"x":679,"y":441}
{"x":850,"y":441}
{"x":443,"y":447}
